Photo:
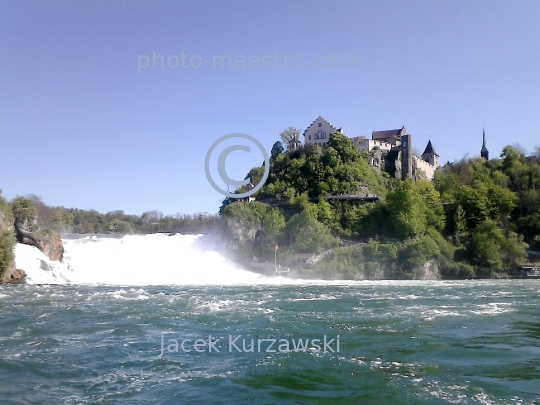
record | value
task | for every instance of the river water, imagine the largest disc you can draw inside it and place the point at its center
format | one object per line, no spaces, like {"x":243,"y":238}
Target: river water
{"x":73,"y":339}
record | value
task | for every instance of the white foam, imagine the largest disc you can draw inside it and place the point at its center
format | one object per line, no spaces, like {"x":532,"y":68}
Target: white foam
{"x":39,"y":269}
{"x":159,"y":259}
{"x":131,"y":260}
{"x":138,"y":260}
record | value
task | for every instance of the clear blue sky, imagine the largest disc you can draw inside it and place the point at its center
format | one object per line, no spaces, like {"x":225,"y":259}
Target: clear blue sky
{"x":82,"y":127}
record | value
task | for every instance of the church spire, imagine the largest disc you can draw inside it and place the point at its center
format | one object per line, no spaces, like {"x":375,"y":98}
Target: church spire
{"x":484,"y":151}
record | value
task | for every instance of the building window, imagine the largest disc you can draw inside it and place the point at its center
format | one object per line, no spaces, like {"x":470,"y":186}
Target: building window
{"x":310,"y":137}
{"x":320,"y":124}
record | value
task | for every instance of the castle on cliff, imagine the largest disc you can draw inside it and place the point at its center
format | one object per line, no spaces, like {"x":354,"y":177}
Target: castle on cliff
{"x":390,"y":151}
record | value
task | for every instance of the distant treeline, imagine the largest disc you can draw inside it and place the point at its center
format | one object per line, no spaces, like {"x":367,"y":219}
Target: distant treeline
{"x":74,"y":220}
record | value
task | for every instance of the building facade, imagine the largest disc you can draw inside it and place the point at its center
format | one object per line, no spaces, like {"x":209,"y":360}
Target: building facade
{"x":366,"y":144}
{"x":318,"y":133}
{"x":390,"y":148}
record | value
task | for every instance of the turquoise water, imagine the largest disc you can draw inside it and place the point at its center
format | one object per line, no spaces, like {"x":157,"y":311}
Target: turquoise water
{"x":418,"y":342}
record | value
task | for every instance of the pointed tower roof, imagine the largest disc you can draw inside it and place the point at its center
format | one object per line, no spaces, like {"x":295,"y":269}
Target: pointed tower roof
{"x":484,"y":149}
{"x":429,"y":149}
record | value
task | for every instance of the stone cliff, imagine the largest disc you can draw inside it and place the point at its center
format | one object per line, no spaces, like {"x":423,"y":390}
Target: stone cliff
{"x":49,"y":242}
{"x":340,"y":263}
{"x":27,"y":231}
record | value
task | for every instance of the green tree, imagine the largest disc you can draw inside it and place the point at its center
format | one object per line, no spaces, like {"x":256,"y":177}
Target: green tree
{"x":68,"y":219}
{"x":88,"y":227}
{"x":24,"y":211}
{"x":324,"y":211}
{"x":433,"y":205}
{"x":474,"y":201}
{"x":513,"y":251}
{"x":460,"y":224}
{"x":511,"y":158}
{"x":125,"y":228}
{"x":415,"y":252}
{"x":345,"y":148}
{"x":7,"y":242}
{"x":56,"y":221}
{"x":306,"y":234}
{"x":406,"y":211}
{"x":257,"y":216}
{"x":484,"y":248}
{"x":277,"y":149}
{"x":273,"y":223}
{"x":7,"y":238}
{"x":113,"y":225}
{"x":291,"y":138}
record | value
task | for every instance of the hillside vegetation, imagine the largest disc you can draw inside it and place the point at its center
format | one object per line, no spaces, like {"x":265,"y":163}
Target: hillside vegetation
{"x":475,"y":219}
{"x":7,"y":237}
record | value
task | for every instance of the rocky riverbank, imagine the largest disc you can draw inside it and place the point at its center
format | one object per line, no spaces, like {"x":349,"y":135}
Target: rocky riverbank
{"x":22,"y":227}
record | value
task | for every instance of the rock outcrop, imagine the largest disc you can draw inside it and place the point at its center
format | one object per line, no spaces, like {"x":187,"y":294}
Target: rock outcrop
{"x":51,"y":246}
{"x":11,"y":274}
{"x":49,"y":242}
{"x":429,"y":271}
{"x":24,"y":229}
{"x":14,"y":276}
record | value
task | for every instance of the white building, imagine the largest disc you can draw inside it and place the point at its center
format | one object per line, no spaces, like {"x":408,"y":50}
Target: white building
{"x":318,"y":133}
{"x":366,"y":145}
{"x":384,"y":140}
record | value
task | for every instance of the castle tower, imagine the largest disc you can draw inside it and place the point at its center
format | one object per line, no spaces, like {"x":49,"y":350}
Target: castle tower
{"x":484,"y":152}
{"x":406,"y":157}
{"x":430,"y":155}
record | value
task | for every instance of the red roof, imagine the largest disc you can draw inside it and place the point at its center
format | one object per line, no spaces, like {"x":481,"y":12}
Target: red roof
{"x":388,"y":133}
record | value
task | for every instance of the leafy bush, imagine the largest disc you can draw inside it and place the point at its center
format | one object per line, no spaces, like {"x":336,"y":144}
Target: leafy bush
{"x":413,"y":253}
{"x":25,"y":211}
{"x":370,"y":260}
{"x":7,"y":238}
{"x":7,"y":241}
